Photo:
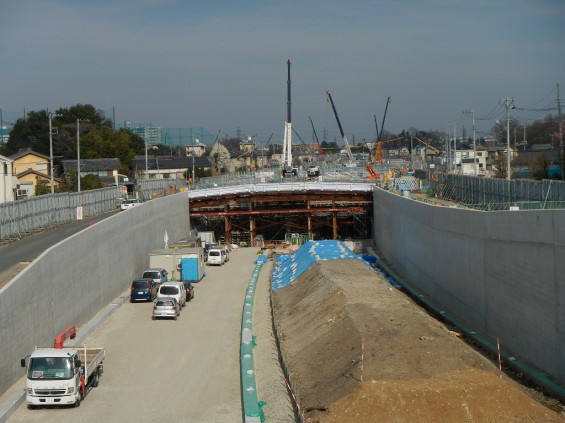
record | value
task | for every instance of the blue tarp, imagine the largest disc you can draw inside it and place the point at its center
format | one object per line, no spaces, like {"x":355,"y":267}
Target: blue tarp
{"x":289,"y":268}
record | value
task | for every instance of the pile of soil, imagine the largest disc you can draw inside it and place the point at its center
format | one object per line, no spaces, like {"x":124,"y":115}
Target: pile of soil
{"x":414,"y":369}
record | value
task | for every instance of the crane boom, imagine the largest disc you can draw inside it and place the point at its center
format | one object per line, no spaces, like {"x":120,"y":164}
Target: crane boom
{"x":347,"y":148}
{"x":316,"y":136}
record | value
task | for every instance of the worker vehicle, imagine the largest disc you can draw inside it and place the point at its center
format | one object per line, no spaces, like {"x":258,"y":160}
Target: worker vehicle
{"x":62,"y":375}
{"x":143,"y":289}
{"x":216,"y":256}
{"x":175,"y":290}
{"x":158,"y":274}
{"x":166,"y":307}
{"x":129,"y":204}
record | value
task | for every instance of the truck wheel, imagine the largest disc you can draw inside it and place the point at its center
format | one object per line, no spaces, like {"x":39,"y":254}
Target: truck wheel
{"x":95,"y":378}
{"x":77,"y":402}
{"x":31,"y":407}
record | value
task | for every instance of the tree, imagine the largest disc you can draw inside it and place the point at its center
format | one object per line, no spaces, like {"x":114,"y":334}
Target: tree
{"x":220,"y":157}
{"x":540,"y":165}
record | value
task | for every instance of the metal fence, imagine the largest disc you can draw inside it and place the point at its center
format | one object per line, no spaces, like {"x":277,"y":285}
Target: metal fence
{"x":22,"y":217}
{"x":498,"y":194}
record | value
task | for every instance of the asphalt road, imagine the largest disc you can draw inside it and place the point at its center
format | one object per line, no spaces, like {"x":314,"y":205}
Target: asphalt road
{"x":30,"y":247}
{"x":185,"y":370}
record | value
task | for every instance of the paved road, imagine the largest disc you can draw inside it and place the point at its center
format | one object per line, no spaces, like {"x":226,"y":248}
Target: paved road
{"x":30,"y":247}
{"x":184,"y":371}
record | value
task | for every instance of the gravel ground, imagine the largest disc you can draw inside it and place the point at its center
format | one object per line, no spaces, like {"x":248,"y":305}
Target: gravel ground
{"x":268,"y":374}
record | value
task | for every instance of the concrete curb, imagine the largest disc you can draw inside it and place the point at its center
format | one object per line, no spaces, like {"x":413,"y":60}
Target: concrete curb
{"x":11,"y":400}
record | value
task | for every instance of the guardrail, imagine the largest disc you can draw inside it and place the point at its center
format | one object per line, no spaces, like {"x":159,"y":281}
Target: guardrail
{"x":280,"y":187}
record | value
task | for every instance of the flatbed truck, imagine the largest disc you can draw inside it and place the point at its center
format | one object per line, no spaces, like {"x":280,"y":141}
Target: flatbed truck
{"x":62,"y":375}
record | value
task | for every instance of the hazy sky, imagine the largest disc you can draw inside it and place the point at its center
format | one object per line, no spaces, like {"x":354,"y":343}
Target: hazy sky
{"x":221,"y":65}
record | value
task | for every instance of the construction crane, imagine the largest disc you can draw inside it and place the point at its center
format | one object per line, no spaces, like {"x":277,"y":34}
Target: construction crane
{"x":431,"y":147}
{"x":287,"y":143}
{"x":316,"y":136}
{"x":345,"y":142}
{"x":378,"y":156}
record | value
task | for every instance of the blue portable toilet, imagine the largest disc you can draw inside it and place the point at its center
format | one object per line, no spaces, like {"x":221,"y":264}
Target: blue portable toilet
{"x":191,"y":264}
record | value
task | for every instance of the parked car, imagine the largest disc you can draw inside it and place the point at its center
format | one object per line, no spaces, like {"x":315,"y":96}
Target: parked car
{"x":216,"y":256}
{"x":189,"y":290}
{"x":173,"y":289}
{"x":129,"y":204}
{"x":166,"y":307}
{"x":158,"y":274}
{"x":143,"y":290}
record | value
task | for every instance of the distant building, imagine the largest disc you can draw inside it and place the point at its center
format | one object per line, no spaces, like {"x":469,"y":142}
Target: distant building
{"x":31,"y":168}
{"x":8,"y":181}
{"x":150,"y":134}
{"x":168,"y":167}
{"x":105,"y":169}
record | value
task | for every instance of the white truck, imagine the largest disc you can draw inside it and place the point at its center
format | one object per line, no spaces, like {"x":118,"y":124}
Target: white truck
{"x":62,"y":375}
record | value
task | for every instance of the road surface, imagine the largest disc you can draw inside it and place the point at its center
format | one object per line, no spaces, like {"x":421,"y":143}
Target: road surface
{"x":166,"y":370}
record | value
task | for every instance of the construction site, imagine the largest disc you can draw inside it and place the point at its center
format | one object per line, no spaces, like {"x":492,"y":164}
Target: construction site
{"x":359,"y":349}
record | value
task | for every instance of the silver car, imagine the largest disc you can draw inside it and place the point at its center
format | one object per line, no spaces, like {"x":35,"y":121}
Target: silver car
{"x":166,"y":307}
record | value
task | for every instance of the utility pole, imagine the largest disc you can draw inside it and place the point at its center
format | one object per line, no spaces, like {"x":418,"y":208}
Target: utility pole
{"x":78,"y":155}
{"x":50,"y":154}
{"x":509,"y":104}
{"x":562,"y":156}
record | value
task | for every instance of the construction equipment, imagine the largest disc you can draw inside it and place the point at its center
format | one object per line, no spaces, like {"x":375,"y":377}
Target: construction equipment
{"x":321,"y":152}
{"x":343,"y":137}
{"x":61,"y":375}
{"x":378,"y":156}
{"x":431,"y":147}
{"x":287,"y":143}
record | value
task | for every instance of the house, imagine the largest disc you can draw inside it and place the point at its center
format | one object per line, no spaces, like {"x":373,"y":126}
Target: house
{"x":244,"y":158}
{"x":105,"y":169}
{"x":8,"y":181}
{"x":196,"y":149}
{"x":168,"y":167}
{"x":31,"y":168}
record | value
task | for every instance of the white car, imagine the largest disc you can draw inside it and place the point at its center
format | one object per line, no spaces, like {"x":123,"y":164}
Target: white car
{"x":129,"y":204}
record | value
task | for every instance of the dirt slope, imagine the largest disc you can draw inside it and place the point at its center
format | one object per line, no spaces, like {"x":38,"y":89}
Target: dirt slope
{"x":414,"y":368}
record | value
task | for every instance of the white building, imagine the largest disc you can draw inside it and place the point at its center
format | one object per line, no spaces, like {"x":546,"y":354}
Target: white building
{"x":8,"y":181}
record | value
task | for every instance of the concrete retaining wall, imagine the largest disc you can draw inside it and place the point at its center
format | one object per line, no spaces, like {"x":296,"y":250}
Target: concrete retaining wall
{"x":73,"y":280}
{"x":503,"y":273}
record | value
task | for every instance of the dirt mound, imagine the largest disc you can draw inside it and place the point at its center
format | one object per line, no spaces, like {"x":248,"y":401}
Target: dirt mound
{"x":414,"y":368}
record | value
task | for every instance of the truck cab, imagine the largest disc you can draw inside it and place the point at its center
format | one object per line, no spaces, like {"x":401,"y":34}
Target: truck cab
{"x":60,"y":376}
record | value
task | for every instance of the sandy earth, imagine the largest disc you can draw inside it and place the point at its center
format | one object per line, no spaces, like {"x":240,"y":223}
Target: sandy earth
{"x":414,"y":369}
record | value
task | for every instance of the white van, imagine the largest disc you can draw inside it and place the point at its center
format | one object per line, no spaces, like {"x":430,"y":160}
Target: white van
{"x":173,"y":289}
{"x":216,"y":256}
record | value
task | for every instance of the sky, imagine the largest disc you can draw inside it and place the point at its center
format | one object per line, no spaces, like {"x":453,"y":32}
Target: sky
{"x":222,"y":65}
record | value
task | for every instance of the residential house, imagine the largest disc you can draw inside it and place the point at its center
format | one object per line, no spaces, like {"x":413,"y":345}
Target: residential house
{"x":196,"y":149}
{"x":8,"y":181}
{"x":31,"y":168}
{"x":168,"y":167}
{"x":244,"y":158}
{"x":105,"y":169}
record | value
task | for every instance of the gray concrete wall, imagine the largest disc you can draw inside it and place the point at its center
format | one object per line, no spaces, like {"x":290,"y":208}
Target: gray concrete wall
{"x":73,"y":280}
{"x":503,"y":273}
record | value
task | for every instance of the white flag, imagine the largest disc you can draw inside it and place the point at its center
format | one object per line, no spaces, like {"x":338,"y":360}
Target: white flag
{"x":166,"y":240}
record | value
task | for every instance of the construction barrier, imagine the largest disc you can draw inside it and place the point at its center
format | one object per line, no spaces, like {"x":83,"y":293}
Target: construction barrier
{"x":252,"y":407}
